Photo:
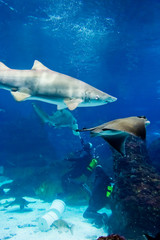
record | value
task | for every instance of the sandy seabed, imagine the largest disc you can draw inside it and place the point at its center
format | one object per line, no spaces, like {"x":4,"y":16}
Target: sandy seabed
{"x":16,"y":224}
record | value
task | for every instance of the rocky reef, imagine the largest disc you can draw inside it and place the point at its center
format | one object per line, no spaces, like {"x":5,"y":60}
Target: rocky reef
{"x":136,"y":197}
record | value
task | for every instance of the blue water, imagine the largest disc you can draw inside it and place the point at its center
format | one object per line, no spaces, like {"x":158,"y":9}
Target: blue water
{"x":112,"y":45}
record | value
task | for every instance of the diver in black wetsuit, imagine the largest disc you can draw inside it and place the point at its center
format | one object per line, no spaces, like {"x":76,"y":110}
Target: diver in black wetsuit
{"x":100,"y":196}
{"x":83,"y":164}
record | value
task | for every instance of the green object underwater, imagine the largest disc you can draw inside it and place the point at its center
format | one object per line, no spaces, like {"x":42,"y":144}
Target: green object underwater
{"x":109,"y":191}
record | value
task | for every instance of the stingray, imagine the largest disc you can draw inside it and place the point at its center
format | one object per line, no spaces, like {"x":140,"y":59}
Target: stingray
{"x":116,"y":132}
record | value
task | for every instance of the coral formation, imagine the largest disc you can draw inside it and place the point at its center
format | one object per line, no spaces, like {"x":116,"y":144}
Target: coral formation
{"x":136,"y":195}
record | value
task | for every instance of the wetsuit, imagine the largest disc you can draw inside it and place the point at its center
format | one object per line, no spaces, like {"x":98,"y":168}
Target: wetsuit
{"x":79,"y":167}
{"x":98,"y":198}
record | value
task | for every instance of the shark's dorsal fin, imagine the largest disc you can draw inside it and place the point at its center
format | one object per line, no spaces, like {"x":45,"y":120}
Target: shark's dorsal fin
{"x":3,"y":66}
{"x":20,"y":96}
{"x":39,"y":66}
{"x":72,"y":103}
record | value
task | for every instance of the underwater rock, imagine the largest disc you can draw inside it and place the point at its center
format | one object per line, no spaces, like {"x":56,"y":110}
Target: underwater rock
{"x":136,"y":195}
{"x":154,"y":152}
{"x":112,"y":237}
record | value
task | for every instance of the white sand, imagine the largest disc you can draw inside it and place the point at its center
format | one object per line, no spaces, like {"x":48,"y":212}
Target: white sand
{"x":19,"y":224}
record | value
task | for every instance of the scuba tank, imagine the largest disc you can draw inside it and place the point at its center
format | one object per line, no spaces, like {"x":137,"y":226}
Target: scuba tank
{"x":92,"y":164}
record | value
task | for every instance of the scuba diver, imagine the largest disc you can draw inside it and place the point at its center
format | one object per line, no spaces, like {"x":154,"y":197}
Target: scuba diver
{"x":99,"y":197}
{"x":82,"y":164}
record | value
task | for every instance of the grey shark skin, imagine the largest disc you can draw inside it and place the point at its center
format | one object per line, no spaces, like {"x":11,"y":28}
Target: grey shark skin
{"x":59,"y":119}
{"x":115,"y":132}
{"x":41,"y":83}
{"x":42,"y":115}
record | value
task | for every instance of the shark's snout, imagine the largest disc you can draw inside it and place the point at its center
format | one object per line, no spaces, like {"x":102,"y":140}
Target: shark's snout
{"x":111,"y":99}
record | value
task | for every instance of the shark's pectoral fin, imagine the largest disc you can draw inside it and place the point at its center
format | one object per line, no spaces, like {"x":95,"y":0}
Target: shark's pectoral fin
{"x":72,"y":103}
{"x":117,"y":142}
{"x":20,"y":96}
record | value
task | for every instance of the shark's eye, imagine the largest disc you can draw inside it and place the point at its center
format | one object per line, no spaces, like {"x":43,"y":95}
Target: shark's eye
{"x":97,"y":97}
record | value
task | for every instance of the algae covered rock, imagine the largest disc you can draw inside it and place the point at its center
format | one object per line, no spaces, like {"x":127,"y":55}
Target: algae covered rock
{"x":136,"y":195}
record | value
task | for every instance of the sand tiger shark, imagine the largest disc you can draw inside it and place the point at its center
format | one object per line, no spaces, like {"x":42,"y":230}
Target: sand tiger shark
{"x":41,"y":83}
{"x":115,"y":132}
{"x":59,"y":119}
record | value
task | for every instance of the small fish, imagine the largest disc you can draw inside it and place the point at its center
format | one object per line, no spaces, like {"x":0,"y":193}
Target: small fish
{"x":115,"y":132}
{"x":63,"y":226}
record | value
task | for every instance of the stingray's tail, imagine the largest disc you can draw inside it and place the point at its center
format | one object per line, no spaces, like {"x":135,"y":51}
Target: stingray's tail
{"x":81,"y":130}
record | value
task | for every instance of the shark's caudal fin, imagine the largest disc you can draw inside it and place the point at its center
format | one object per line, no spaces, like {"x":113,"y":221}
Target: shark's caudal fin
{"x":117,"y":142}
{"x":43,"y":116}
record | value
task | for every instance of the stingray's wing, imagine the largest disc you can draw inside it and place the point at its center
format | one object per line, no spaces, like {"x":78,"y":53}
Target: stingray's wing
{"x":117,"y":141}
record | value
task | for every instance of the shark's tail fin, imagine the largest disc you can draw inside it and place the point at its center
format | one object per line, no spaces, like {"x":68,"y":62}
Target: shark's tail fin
{"x":43,"y":116}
